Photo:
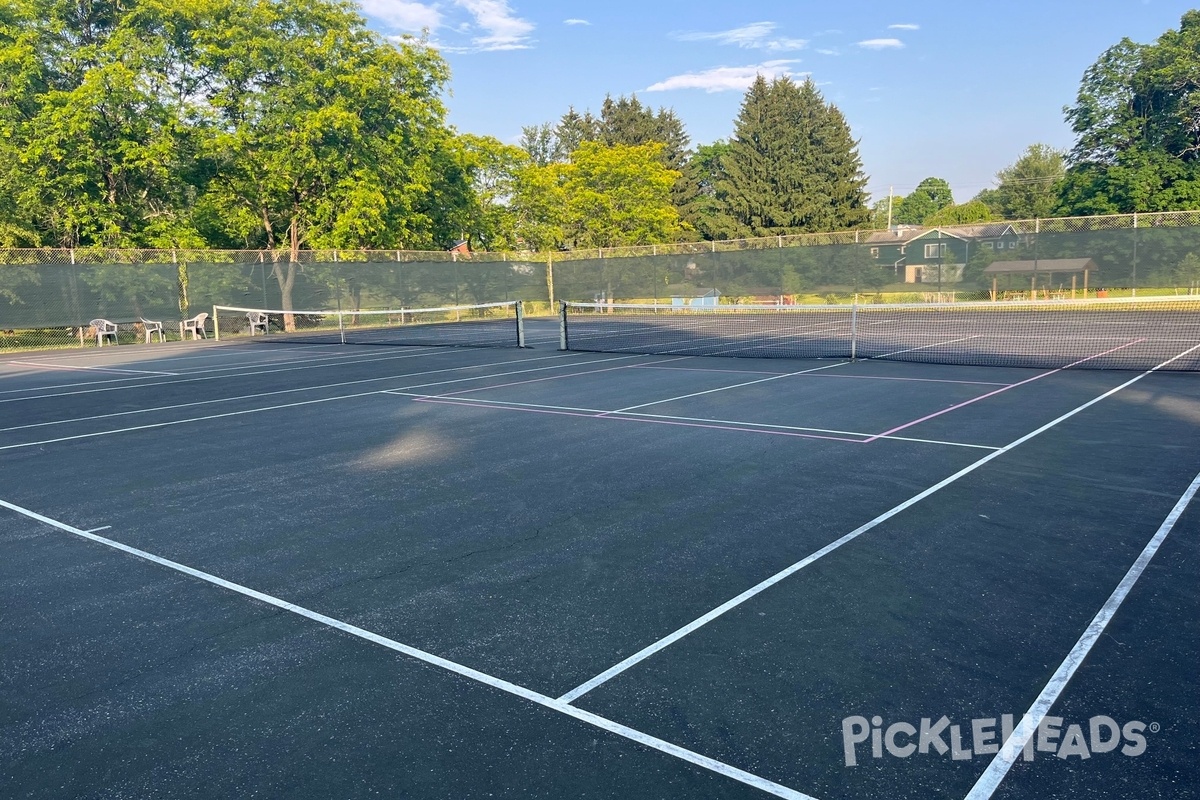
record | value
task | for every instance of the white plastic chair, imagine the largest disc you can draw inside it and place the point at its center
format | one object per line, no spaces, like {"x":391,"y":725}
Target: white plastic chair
{"x":152,"y":327}
{"x":194,"y":326}
{"x":104,"y":329}
{"x":257,"y":320}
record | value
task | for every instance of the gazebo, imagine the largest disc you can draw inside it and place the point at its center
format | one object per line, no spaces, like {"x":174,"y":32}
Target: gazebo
{"x":1043,"y":266}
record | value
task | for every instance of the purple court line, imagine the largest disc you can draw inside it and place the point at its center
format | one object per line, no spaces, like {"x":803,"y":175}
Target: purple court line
{"x":550,"y":378}
{"x":957,"y":406}
{"x":609,"y":416}
{"x":824,"y":375}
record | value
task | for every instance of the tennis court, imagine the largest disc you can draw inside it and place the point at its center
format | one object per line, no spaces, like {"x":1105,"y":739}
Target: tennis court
{"x":275,"y":567}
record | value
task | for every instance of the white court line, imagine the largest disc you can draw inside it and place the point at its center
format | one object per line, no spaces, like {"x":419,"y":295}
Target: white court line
{"x":762,"y":586}
{"x":89,"y":369}
{"x":300,"y":363}
{"x":434,"y":351}
{"x":274,"y":393}
{"x":924,"y":347}
{"x":991,"y":778}
{"x":101,"y":528}
{"x":500,"y":684}
{"x":600,"y":412}
{"x":299,"y":403}
{"x":724,"y":388}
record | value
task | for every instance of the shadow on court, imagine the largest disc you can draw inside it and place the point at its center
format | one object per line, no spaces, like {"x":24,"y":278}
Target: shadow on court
{"x":588,"y":574}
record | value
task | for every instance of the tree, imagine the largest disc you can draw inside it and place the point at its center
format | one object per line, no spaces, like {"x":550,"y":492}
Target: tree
{"x":323,"y":134}
{"x":94,"y":116}
{"x":618,"y":195}
{"x":541,"y":143}
{"x":704,"y":172}
{"x":1135,"y":117}
{"x":964,"y":214}
{"x":930,"y":197}
{"x":792,"y":165}
{"x":493,"y":168}
{"x":1029,"y":188}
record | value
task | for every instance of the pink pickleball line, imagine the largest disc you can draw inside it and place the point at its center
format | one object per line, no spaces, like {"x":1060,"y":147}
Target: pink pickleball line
{"x":957,"y":406}
{"x":609,"y":416}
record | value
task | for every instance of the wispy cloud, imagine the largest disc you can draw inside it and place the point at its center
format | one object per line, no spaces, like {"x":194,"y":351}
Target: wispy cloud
{"x":755,"y":36}
{"x":727,"y":79}
{"x":576,"y":22}
{"x":500,"y":28}
{"x":406,"y":16}
{"x":904,"y":26}
{"x":475,"y":25}
{"x":881,"y":44}
{"x":828,"y":51}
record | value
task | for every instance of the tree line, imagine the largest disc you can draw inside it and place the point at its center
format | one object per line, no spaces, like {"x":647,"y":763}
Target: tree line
{"x":289,"y":125}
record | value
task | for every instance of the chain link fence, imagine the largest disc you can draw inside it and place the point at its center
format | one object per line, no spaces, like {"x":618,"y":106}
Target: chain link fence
{"x":48,"y":298}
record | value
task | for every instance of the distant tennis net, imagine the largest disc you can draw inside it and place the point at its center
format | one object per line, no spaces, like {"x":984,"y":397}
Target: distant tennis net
{"x":1098,"y":334}
{"x":483,"y":325}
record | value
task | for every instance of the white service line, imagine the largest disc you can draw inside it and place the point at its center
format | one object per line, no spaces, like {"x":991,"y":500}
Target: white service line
{"x":297,"y":404}
{"x":734,"y":386}
{"x":924,"y":347}
{"x":89,"y":369}
{"x":500,"y":684}
{"x":274,"y":393}
{"x":762,"y":586}
{"x":1010,"y":751}
{"x":750,"y":426}
{"x":305,"y":363}
{"x":250,"y":374}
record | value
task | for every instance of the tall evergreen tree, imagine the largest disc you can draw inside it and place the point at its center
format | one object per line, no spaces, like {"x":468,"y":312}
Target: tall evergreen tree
{"x":792,"y":165}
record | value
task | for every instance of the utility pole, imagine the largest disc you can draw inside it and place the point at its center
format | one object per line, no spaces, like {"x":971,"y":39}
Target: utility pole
{"x":890,"y":207}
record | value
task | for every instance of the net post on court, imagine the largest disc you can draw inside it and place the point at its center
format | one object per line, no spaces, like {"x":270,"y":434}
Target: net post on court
{"x":216,"y":325}
{"x":562,"y":326}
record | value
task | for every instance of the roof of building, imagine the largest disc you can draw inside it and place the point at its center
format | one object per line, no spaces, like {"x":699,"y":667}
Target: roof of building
{"x":1043,"y":265}
{"x":902,"y":234}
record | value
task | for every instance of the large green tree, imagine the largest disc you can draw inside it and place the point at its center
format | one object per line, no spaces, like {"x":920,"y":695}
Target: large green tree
{"x":1137,"y":125}
{"x":1029,"y":188}
{"x":930,"y":197}
{"x":605,"y":196}
{"x":792,"y":165}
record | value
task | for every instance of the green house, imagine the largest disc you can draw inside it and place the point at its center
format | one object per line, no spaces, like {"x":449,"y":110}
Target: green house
{"x":916,"y":254}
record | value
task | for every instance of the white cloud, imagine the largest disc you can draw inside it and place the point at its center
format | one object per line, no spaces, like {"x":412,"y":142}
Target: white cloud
{"x":501,"y":28}
{"x":881,"y":44}
{"x":402,"y":14}
{"x":828,"y":52}
{"x":726,"y":79}
{"x":576,"y":22}
{"x":904,"y":26}
{"x":487,"y":25}
{"x":755,"y":36}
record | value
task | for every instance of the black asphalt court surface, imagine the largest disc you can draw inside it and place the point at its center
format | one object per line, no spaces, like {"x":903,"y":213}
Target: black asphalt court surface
{"x":269,"y":569}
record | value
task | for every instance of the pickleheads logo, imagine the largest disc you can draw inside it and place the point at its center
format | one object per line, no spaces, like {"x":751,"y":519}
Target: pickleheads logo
{"x":1099,"y":735}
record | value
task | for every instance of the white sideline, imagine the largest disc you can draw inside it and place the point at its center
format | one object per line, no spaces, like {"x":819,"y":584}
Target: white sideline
{"x":762,"y":586}
{"x":339,"y":384}
{"x":537,"y":698}
{"x":151,"y":426}
{"x":1010,"y":751}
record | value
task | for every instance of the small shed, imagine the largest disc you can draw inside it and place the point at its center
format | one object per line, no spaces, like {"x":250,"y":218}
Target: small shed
{"x":1043,"y":266}
{"x":685,"y":296}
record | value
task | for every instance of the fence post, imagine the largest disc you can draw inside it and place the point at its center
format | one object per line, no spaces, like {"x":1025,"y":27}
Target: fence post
{"x":550,"y":277}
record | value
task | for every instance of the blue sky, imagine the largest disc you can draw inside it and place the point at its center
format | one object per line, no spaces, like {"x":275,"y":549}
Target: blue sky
{"x":951,"y":89}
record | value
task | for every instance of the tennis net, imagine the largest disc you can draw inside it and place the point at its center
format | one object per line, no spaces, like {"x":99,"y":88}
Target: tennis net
{"x":1139,"y":333}
{"x":482,"y":325}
